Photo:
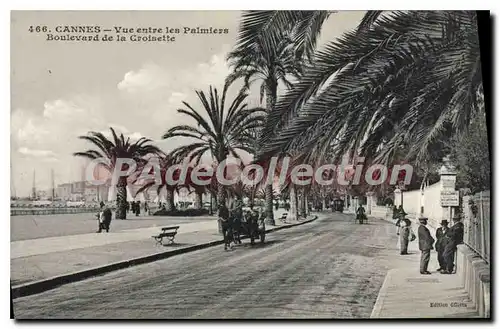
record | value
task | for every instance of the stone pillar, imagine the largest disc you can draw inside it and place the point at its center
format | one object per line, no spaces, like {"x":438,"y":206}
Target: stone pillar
{"x":421,"y":200}
{"x":397,"y":197}
{"x":355,"y":203}
{"x":370,"y":202}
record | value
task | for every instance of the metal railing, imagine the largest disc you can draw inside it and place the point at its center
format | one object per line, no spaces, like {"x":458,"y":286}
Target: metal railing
{"x":477,"y":212}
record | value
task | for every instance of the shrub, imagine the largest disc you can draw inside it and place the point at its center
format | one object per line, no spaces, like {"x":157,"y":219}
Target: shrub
{"x":182,"y":213}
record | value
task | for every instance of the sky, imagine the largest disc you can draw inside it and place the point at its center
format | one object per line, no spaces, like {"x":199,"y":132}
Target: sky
{"x":62,"y":90}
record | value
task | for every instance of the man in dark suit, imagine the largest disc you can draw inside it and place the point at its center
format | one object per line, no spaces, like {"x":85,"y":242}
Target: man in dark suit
{"x":441,"y":243}
{"x":425,"y":242}
{"x":455,"y":236}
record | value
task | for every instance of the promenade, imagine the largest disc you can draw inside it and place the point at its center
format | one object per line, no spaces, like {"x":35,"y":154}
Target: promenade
{"x":367,"y":274}
{"x":41,"y":258}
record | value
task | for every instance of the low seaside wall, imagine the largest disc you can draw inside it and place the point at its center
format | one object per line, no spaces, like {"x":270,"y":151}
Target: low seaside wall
{"x":50,"y":211}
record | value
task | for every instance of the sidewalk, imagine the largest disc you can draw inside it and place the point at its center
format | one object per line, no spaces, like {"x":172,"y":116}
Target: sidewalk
{"x":39,"y":259}
{"x":47,"y":264}
{"x":33,"y":247}
{"x":406,"y":293}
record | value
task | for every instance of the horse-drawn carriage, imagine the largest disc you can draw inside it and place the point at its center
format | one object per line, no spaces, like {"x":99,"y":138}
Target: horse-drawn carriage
{"x":249,"y":223}
{"x":338,"y":205}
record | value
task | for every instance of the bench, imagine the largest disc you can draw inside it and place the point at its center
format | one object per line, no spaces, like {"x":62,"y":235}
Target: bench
{"x":166,"y":232}
{"x":283,"y":217}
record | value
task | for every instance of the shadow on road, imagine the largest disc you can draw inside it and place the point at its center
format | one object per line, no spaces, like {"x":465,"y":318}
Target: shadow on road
{"x":257,"y":244}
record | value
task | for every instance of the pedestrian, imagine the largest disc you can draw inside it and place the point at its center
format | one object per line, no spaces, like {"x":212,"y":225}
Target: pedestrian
{"x":138,"y":208}
{"x":405,"y":235}
{"x":225,"y":224}
{"x":395,"y":213}
{"x":425,"y":242}
{"x":107,"y":216}
{"x":401,"y":212}
{"x":441,"y":241}
{"x":100,"y":218}
{"x":455,"y":236}
{"x":132,"y":206}
{"x":236,"y":219}
{"x":360,"y":214}
{"x":128,"y":207}
{"x":104,"y":219}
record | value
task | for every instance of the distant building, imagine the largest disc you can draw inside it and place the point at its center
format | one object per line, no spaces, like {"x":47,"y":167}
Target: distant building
{"x":82,"y":191}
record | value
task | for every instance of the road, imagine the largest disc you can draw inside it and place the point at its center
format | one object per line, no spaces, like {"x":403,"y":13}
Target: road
{"x":330,"y":268}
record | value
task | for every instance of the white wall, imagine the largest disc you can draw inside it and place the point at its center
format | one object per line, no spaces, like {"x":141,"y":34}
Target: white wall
{"x":411,"y":202}
{"x":432,"y":204}
{"x":430,"y":200}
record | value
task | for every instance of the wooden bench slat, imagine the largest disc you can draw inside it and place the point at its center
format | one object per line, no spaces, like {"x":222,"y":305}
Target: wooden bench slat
{"x":170,"y":228}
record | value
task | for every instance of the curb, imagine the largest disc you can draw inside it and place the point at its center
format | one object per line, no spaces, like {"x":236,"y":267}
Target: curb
{"x":379,"y":303}
{"x":39,"y":286}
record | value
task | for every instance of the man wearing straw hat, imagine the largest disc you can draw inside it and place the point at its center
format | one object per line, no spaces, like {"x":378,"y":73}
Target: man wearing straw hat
{"x":425,"y":242}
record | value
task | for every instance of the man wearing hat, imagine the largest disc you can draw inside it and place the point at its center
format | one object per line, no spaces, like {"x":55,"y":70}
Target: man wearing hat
{"x":441,"y":243}
{"x":404,"y":231}
{"x":425,"y":242}
{"x":455,"y":236}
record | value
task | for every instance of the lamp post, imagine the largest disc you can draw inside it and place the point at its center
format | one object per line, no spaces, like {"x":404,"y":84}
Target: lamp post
{"x":401,"y":187}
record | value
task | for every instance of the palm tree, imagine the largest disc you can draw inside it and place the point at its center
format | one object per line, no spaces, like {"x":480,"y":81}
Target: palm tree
{"x":408,"y":78}
{"x":254,"y":59}
{"x":164,"y":162}
{"x":264,"y":29}
{"x":118,"y":148}
{"x":197,"y":189}
{"x":221,"y":134}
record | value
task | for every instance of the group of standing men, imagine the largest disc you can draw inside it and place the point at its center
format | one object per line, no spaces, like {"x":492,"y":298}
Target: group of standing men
{"x":448,"y":238}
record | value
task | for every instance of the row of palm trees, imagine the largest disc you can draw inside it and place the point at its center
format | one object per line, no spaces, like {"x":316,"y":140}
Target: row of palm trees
{"x":392,"y":89}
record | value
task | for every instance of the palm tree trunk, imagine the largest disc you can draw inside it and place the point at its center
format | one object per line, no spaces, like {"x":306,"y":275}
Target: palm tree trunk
{"x":269,"y":205}
{"x":252,"y":197}
{"x":169,"y":204}
{"x":221,"y":195}
{"x":303,"y":205}
{"x":293,"y":203}
{"x":272,"y":89}
{"x":306,"y":197}
{"x":198,"y":202}
{"x":213,"y":203}
{"x":121,"y":198}
{"x":221,"y":200}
